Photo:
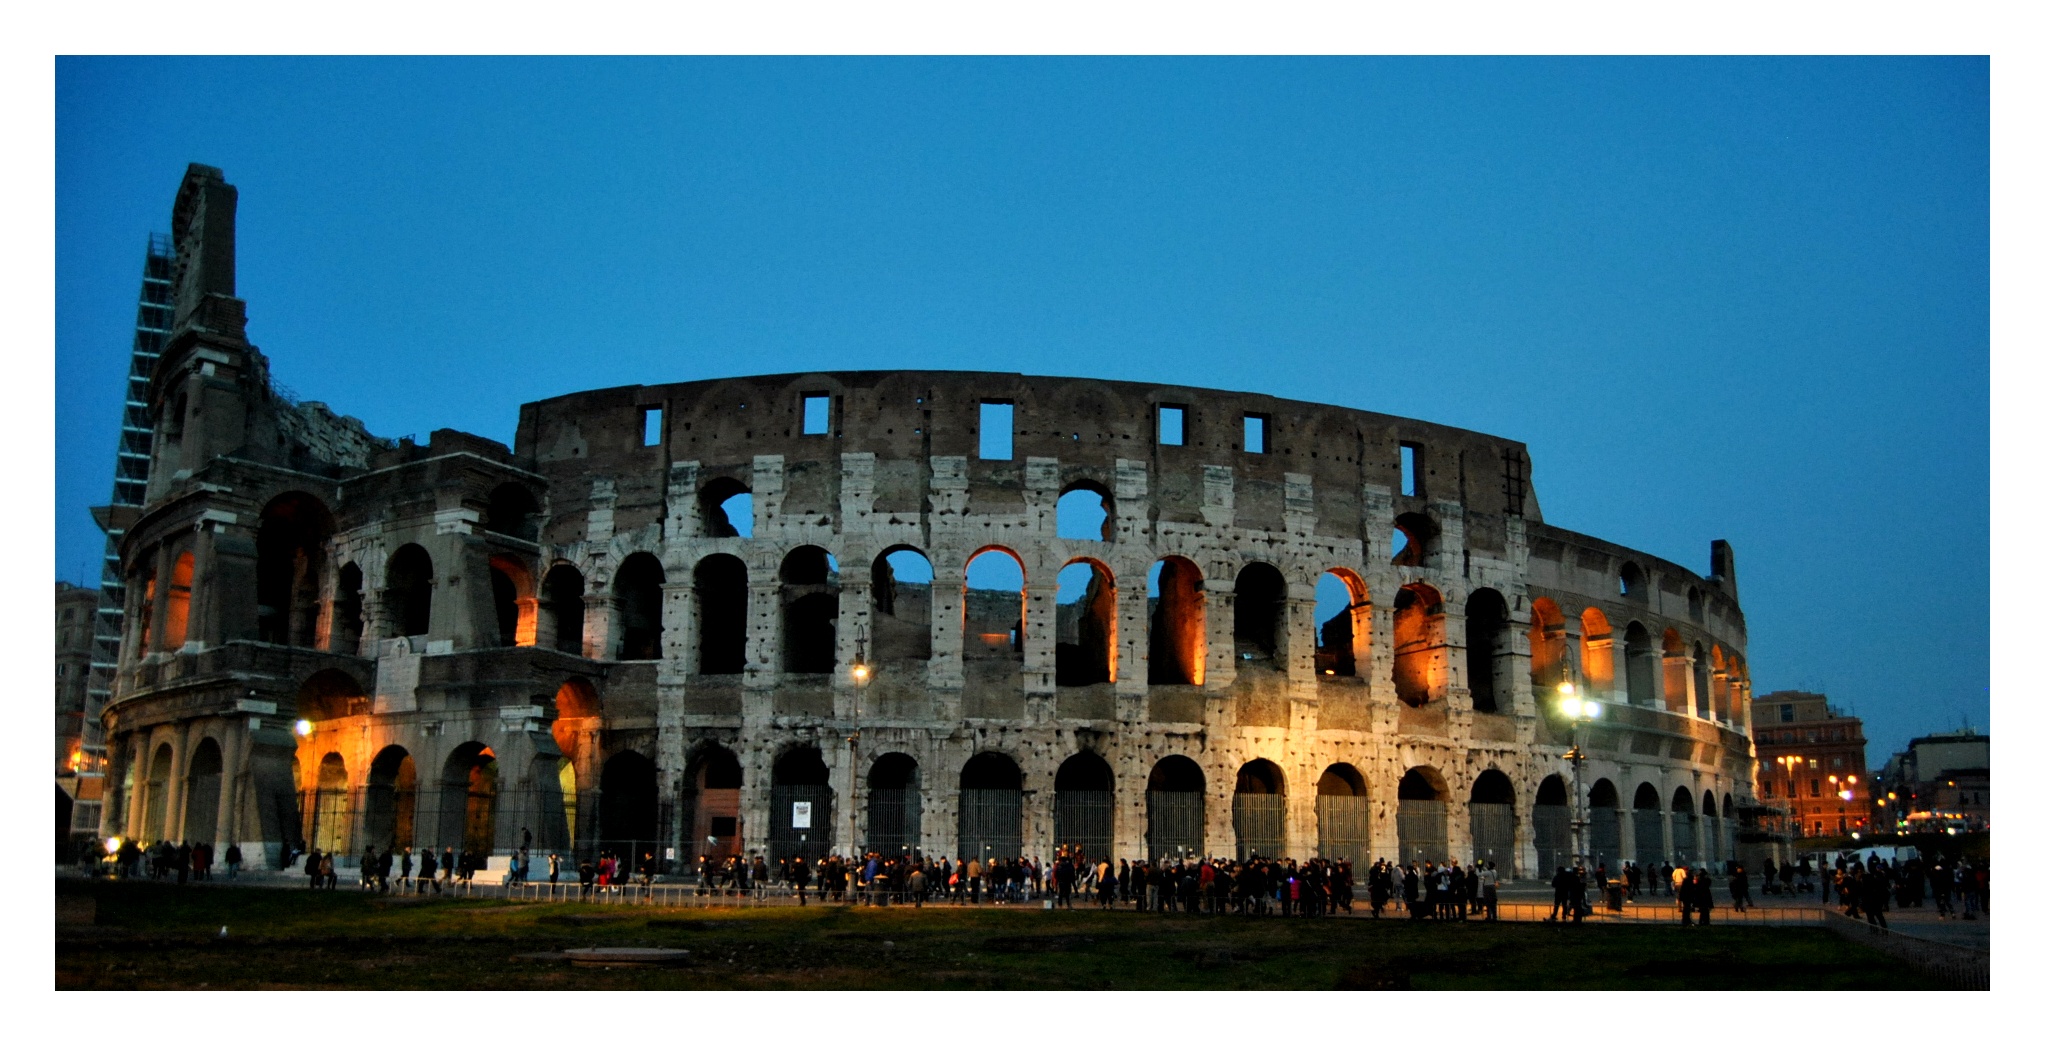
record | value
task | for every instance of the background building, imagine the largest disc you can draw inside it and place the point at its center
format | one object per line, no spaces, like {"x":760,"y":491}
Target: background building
{"x":75,"y":608}
{"x":1812,"y":762}
{"x":1940,"y":782}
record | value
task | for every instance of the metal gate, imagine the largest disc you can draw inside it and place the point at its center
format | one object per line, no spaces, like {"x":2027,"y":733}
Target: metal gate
{"x":1684,"y":846}
{"x":990,"y":823}
{"x":1087,"y":820}
{"x":1345,"y":827}
{"x":1491,"y":836}
{"x":1178,"y":824}
{"x":1604,"y":836}
{"x":894,"y":820}
{"x":1260,"y":826}
{"x":1551,"y":839}
{"x":1423,"y":831}
{"x":1647,"y":837}
{"x":784,"y":839}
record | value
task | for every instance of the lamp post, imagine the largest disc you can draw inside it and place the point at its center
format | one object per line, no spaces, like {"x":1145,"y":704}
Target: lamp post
{"x":1579,"y":710}
{"x":861,"y":672}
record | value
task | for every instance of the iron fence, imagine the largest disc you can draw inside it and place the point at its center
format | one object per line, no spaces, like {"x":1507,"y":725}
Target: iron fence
{"x":1954,"y":965}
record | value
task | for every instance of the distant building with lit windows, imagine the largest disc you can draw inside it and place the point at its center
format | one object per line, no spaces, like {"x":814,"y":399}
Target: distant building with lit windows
{"x":1812,"y":763}
{"x":1939,"y":783}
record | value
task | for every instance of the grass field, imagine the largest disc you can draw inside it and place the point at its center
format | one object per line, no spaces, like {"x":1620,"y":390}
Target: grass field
{"x":145,"y":935}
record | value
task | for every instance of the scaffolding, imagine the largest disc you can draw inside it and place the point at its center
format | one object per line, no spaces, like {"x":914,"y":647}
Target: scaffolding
{"x":131,"y":485}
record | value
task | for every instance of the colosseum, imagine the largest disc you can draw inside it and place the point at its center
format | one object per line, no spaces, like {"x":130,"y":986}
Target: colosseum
{"x":946,"y":612}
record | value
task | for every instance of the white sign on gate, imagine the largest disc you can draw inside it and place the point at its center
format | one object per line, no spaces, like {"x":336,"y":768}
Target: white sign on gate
{"x":800,"y":816}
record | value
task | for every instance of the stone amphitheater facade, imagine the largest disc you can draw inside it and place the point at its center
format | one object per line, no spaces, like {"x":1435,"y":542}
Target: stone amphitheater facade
{"x":339,"y":640}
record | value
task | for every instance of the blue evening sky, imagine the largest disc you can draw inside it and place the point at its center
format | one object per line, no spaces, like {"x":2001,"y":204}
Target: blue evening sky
{"x":1742,"y":299}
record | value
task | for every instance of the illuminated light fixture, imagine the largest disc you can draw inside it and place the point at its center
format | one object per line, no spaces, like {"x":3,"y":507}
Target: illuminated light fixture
{"x":1593,"y":709}
{"x":113,"y":844}
{"x":1571,"y":706}
{"x":1567,"y":687}
{"x":859,"y":673}
{"x":302,"y":728}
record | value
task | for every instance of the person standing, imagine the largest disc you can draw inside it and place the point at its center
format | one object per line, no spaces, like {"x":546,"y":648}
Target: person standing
{"x":1874,"y":898}
{"x":312,"y":868}
{"x":426,"y":869}
{"x":405,"y":869}
{"x":233,"y":860}
{"x":447,"y":865}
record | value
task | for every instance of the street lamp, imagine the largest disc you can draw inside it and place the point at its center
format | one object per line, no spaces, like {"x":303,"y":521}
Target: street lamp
{"x":861,"y":672}
{"x":1579,"y":711}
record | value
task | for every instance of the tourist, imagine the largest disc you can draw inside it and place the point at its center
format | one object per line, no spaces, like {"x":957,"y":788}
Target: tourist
{"x":233,"y":860}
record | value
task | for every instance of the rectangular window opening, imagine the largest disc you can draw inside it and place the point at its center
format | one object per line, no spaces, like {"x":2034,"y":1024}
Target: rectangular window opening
{"x":1256,"y":428}
{"x":816,"y":413}
{"x":1409,"y":469}
{"x":1171,"y":426}
{"x":649,"y":427}
{"x":997,"y":430}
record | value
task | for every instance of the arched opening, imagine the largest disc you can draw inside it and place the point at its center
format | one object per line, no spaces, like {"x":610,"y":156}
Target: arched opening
{"x":1552,"y":843}
{"x":1342,"y":635}
{"x":330,"y":694}
{"x":636,"y":587}
{"x":512,"y":510}
{"x":1683,"y":827}
{"x":901,"y":605}
{"x":560,"y":835}
{"x":1633,"y":582}
{"x":1086,"y":624}
{"x":345,"y":635}
{"x":1487,"y":655}
{"x":142,"y":611}
{"x":1086,"y":512}
{"x":1493,"y":826}
{"x":1343,"y":811}
{"x":994,"y":610}
{"x":329,"y":805}
{"x":710,"y":801}
{"x":1176,"y":803}
{"x":1547,"y":644}
{"x":894,"y":806}
{"x":723,"y":604}
{"x":1413,"y":536}
{"x":990,"y":808}
{"x":291,"y":544}
{"x":1083,"y":815}
{"x":1178,"y":623}
{"x":156,"y":800}
{"x":1713,"y":847}
{"x":1597,"y":652}
{"x":1423,"y":817}
{"x":1603,"y":839}
{"x":390,"y":803}
{"x":468,"y":788}
{"x":511,"y":596}
{"x":1647,"y":825}
{"x":561,"y":602}
{"x":1419,"y":644}
{"x":202,"y":792}
{"x":177,"y":609}
{"x":1700,"y":668}
{"x":1642,"y":662}
{"x":809,"y":611}
{"x":1675,"y":674}
{"x":727,"y":508}
{"x":800,"y":824}
{"x":628,"y":807}
{"x":577,"y":718}
{"x":1260,"y":810}
{"x":1259,"y":615}
{"x":408,"y":592}
{"x":1721,"y":688}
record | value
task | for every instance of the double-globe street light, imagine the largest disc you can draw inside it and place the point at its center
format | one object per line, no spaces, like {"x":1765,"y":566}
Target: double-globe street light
{"x":1578,"y":710}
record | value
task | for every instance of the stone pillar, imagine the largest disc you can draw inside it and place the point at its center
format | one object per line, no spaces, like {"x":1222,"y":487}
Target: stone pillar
{"x":599,"y":625}
{"x":1628,"y":851}
{"x":1040,"y":649}
{"x":1218,"y":601}
{"x":1683,"y":701}
{"x":947,"y":671}
{"x":763,"y":653}
{"x":1132,"y":651}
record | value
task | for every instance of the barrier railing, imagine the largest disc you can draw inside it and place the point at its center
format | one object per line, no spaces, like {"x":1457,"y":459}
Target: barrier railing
{"x":1955,"y":965}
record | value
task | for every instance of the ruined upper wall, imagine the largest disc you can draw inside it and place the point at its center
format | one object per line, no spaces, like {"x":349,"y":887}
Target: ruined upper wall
{"x":904,"y":418}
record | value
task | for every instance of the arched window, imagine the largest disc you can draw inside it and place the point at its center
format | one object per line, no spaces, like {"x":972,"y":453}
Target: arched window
{"x":1675,"y":678}
{"x":1683,"y":827}
{"x":1551,"y":826}
{"x":1707,"y":699}
{"x":723,"y":604}
{"x":1413,"y":540}
{"x":156,"y":800}
{"x":1487,"y":655}
{"x":1086,"y":624}
{"x":1642,"y":665}
{"x":994,"y":607}
{"x":809,"y":611}
{"x":1419,"y":644}
{"x":1597,"y":651}
{"x":1178,"y":623}
{"x":329,"y":806}
{"x":177,"y":609}
{"x":1633,"y":582}
{"x":202,"y":792}
{"x":408,"y":592}
{"x":468,"y":789}
{"x":727,"y":508}
{"x":1259,"y":614}
{"x":1260,"y":810}
{"x":636,"y":587}
{"x":901,"y":605}
{"x":291,"y":543}
{"x":1086,"y":512}
{"x":1549,"y":645}
{"x":511,"y":596}
{"x":345,"y":636}
{"x":391,"y":800}
{"x":1648,"y":845}
{"x":1342,"y":635}
{"x":561,"y":604}
{"x":1695,"y":602}
{"x":710,"y":801}
{"x":801,"y":793}
{"x":1603,"y":838}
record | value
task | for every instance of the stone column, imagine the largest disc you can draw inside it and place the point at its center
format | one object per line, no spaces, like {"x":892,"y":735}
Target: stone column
{"x":1683,"y":701}
{"x":599,"y":625}
{"x":1040,"y":649}
{"x":1218,"y":601}
{"x":855,"y":621}
{"x":1628,"y":850}
{"x":1132,"y":652}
